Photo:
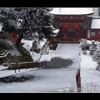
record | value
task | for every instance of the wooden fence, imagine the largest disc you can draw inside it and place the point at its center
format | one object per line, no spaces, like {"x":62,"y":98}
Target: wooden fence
{"x":21,"y":65}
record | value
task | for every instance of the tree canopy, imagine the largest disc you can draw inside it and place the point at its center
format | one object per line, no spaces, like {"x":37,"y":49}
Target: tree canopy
{"x":36,"y":19}
{"x":32,"y":19}
{"x":9,"y":18}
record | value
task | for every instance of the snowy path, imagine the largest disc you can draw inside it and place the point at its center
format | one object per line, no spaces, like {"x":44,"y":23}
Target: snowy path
{"x":49,"y":80}
{"x":68,"y":50}
{"x":90,"y":77}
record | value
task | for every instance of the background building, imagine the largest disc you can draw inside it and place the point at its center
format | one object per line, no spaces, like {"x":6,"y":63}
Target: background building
{"x":72,"y":23}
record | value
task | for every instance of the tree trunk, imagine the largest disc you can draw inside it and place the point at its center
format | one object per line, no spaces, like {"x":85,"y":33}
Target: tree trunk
{"x":18,"y":41}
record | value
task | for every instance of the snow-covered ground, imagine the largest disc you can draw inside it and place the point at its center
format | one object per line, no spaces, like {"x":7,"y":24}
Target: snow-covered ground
{"x":90,"y":77}
{"x":48,"y":80}
{"x":61,"y":80}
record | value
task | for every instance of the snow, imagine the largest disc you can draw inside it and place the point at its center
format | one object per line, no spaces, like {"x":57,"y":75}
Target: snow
{"x":28,"y":43}
{"x":12,"y":72}
{"x":71,"y":11}
{"x":89,"y":75}
{"x":95,"y":24}
{"x":46,"y":80}
{"x":45,"y":58}
{"x":61,"y":80}
{"x":42,"y":43}
{"x":56,"y":31}
{"x":4,"y":54}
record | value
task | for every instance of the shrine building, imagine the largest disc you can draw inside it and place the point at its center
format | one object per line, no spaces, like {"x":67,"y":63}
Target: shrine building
{"x":74,"y":24}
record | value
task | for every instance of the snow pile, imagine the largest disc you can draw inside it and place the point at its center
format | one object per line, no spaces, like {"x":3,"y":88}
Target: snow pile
{"x":45,"y":58}
{"x":27,"y":44}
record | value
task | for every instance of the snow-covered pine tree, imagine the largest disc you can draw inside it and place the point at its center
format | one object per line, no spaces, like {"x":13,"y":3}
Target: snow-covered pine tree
{"x":36,"y":19}
{"x":9,"y":17}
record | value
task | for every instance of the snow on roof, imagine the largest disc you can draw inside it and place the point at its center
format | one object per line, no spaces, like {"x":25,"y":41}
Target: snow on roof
{"x":95,"y":24}
{"x":45,"y":58}
{"x":72,"y":11}
{"x":56,"y":32}
{"x":42,"y":42}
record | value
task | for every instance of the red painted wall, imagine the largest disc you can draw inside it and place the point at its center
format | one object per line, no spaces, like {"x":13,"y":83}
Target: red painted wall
{"x":70,"y":22}
{"x":96,"y":36}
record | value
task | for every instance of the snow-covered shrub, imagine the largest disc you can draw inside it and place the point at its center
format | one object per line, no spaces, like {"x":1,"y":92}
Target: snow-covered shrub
{"x":84,"y":44}
{"x":15,"y":78}
{"x":84,"y":52}
{"x":93,"y":47}
{"x":96,"y":58}
{"x":58,"y":62}
{"x":44,"y":64}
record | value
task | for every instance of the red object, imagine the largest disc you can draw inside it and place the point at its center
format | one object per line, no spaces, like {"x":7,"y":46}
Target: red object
{"x":14,"y":36}
{"x":78,"y":79}
{"x":96,"y":36}
{"x":70,"y":22}
{"x":75,"y":22}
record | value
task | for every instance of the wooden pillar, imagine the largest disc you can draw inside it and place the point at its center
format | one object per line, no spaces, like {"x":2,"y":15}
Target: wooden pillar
{"x":19,"y":67}
{"x":15,"y":68}
{"x":78,"y":80}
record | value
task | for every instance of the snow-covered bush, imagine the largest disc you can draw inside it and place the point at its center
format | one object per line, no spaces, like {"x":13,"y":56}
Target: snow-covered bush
{"x":93,"y":47}
{"x":15,"y":78}
{"x":58,"y":62}
{"x":84,"y":52}
{"x":96,"y":58}
{"x":84,"y":44}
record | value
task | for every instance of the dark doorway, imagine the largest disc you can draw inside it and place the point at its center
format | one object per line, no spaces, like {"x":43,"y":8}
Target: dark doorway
{"x":72,"y":33}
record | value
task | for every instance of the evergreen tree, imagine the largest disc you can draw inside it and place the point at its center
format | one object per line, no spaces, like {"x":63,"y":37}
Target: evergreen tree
{"x":36,"y":19}
{"x":33,"y":19}
{"x":9,"y":17}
